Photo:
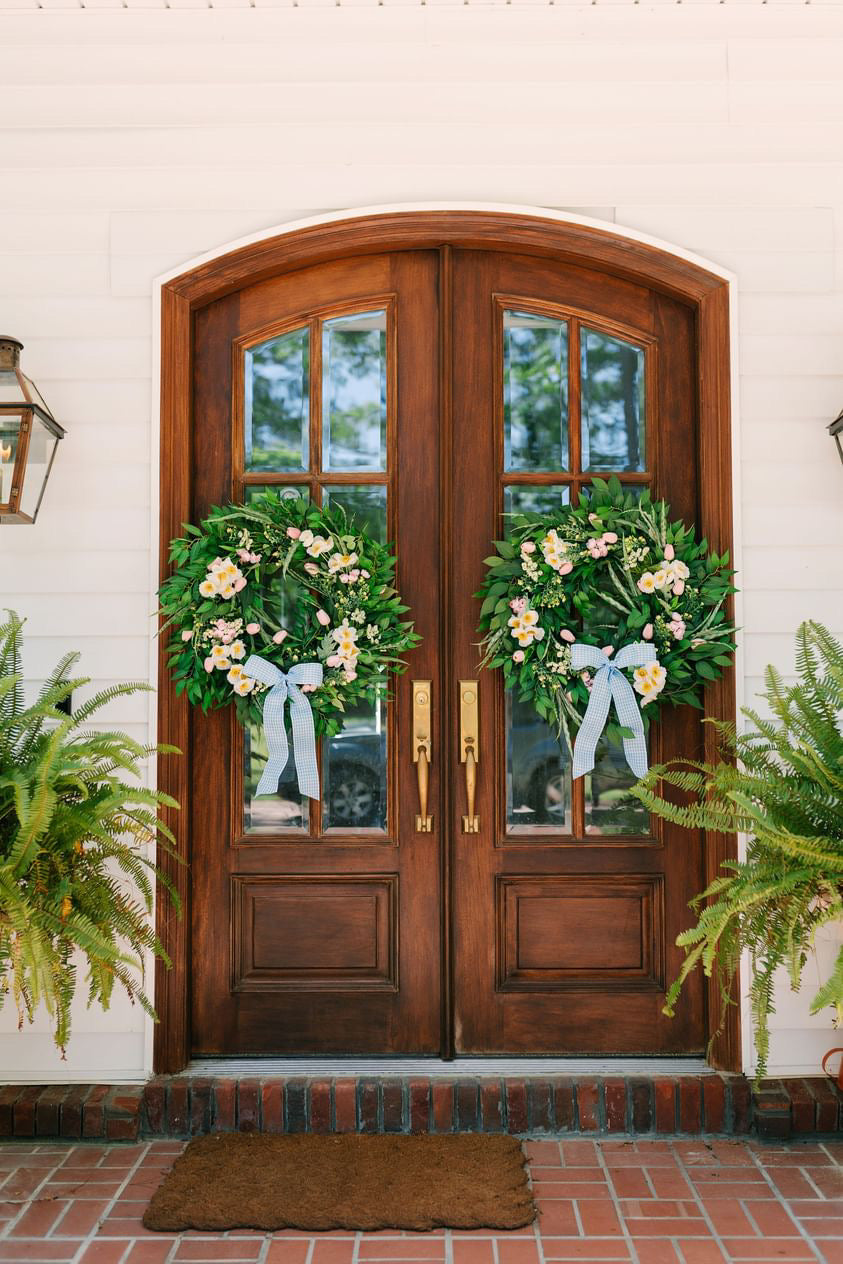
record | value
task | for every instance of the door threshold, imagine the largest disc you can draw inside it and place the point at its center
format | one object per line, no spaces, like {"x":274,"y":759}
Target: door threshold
{"x":436,"y":1067}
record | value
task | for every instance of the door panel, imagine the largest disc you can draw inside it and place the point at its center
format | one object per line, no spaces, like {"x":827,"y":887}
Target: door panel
{"x":568,"y":902}
{"x":316,"y":927}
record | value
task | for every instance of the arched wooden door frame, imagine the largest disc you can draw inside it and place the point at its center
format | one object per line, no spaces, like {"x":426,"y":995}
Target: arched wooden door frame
{"x":551,"y":238}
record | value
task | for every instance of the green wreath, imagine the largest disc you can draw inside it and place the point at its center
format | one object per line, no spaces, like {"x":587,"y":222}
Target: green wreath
{"x":293,"y":584}
{"x":611,"y":572}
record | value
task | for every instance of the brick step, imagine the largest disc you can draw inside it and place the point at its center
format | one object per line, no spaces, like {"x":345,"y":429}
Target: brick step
{"x":181,"y":1106}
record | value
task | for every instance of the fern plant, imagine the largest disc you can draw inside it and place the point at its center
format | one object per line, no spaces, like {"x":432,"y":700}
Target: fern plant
{"x":75,"y":882}
{"x":780,"y":784}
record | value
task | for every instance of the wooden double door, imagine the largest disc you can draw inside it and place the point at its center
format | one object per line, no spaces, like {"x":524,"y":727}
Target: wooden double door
{"x":431,"y":392}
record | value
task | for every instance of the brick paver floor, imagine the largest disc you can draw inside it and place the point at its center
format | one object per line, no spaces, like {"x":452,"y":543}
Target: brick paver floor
{"x":646,"y":1202}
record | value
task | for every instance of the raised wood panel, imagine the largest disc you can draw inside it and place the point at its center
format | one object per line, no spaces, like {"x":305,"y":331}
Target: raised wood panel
{"x":305,"y":932}
{"x":557,"y":930}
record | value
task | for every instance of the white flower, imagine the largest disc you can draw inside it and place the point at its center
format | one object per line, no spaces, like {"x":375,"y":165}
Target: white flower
{"x":344,"y":632}
{"x":555,"y":549}
{"x":306,"y":538}
{"x":525,"y":627}
{"x":237,"y":650}
{"x":661,"y":577}
{"x":358,"y":615}
{"x":340,"y":561}
{"x":209,"y":587}
{"x":373,"y":632}
{"x":649,"y":681}
{"x":647,"y":582}
{"x":243,"y":686}
{"x":319,"y":545}
{"x":679,"y":570}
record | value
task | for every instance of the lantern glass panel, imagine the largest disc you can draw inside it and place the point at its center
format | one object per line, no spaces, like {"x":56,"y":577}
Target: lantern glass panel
{"x":9,"y":433}
{"x":42,"y":447}
{"x":11,"y":391}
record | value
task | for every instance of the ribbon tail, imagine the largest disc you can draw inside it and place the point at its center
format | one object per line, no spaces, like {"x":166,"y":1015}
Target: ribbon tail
{"x":276,"y":742}
{"x":629,"y":715}
{"x":304,"y":744}
{"x":592,"y":726}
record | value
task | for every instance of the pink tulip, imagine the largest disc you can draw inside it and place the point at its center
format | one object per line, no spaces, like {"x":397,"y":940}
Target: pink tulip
{"x":648,"y":632}
{"x":669,"y":553}
{"x":209,"y":664}
{"x":350,"y":674}
{"x":240,"y":584}
{"x":610,"y":537}
{"x":608,"y":650}
{"x":253,"y":628}
{"x":280,"y":636}
{"x":244,"y":555}
{"x":679,"y":587}
{"x":566,"y":568}
{"x":311,"y":568}
{"x":567,"y":635}
{"x":293,"y":532}
{"x":528,"y":547}
{"x":187,"y":634}
{"x":323,"y":617}
{"x":593,"y":517}
{"x":366,"y":574}
{"x":518,"y":656}
{"x":334,"y":660}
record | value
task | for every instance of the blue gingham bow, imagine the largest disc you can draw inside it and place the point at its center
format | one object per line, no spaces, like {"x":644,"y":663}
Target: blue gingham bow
{"x":301,"y":719}
{"x":610,"y":685}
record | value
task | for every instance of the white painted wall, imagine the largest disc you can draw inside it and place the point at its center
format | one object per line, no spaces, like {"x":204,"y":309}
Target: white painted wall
{"x":131,"y":140}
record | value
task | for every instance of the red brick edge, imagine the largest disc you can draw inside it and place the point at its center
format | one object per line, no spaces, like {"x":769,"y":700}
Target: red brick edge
{"x":182,"y":1106}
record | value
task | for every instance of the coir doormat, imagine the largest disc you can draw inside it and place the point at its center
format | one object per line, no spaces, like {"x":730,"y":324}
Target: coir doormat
{"x":254,"y":1181}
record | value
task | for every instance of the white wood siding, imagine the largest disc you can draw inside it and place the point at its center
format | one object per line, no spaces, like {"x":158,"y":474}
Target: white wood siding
{"x":131,"y":141}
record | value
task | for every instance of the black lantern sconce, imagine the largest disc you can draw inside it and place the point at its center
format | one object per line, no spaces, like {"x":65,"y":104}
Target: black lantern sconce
{"x":836,"y":431}
{"x":29,"y":436}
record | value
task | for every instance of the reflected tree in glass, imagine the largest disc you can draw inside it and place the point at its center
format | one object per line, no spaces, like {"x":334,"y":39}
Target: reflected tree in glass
{"x":270,"y":814}
{"x":354,"y":392}
{"x":538,"y":771}
{"x":521,"y":498}
{"x":277,"y":403}
{"x":535,"y":398}
{"x":365,"y":503}
{"x":613,"y":403}
{"x":609,"y":807}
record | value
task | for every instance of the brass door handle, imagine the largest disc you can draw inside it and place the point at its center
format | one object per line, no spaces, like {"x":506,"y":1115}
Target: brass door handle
{"x":469,"y":751}
{"x":422,"y":750}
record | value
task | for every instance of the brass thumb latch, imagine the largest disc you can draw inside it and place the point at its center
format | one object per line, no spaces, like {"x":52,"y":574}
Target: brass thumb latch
{"x":422,"y":750}
{"x":469,"y":750}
